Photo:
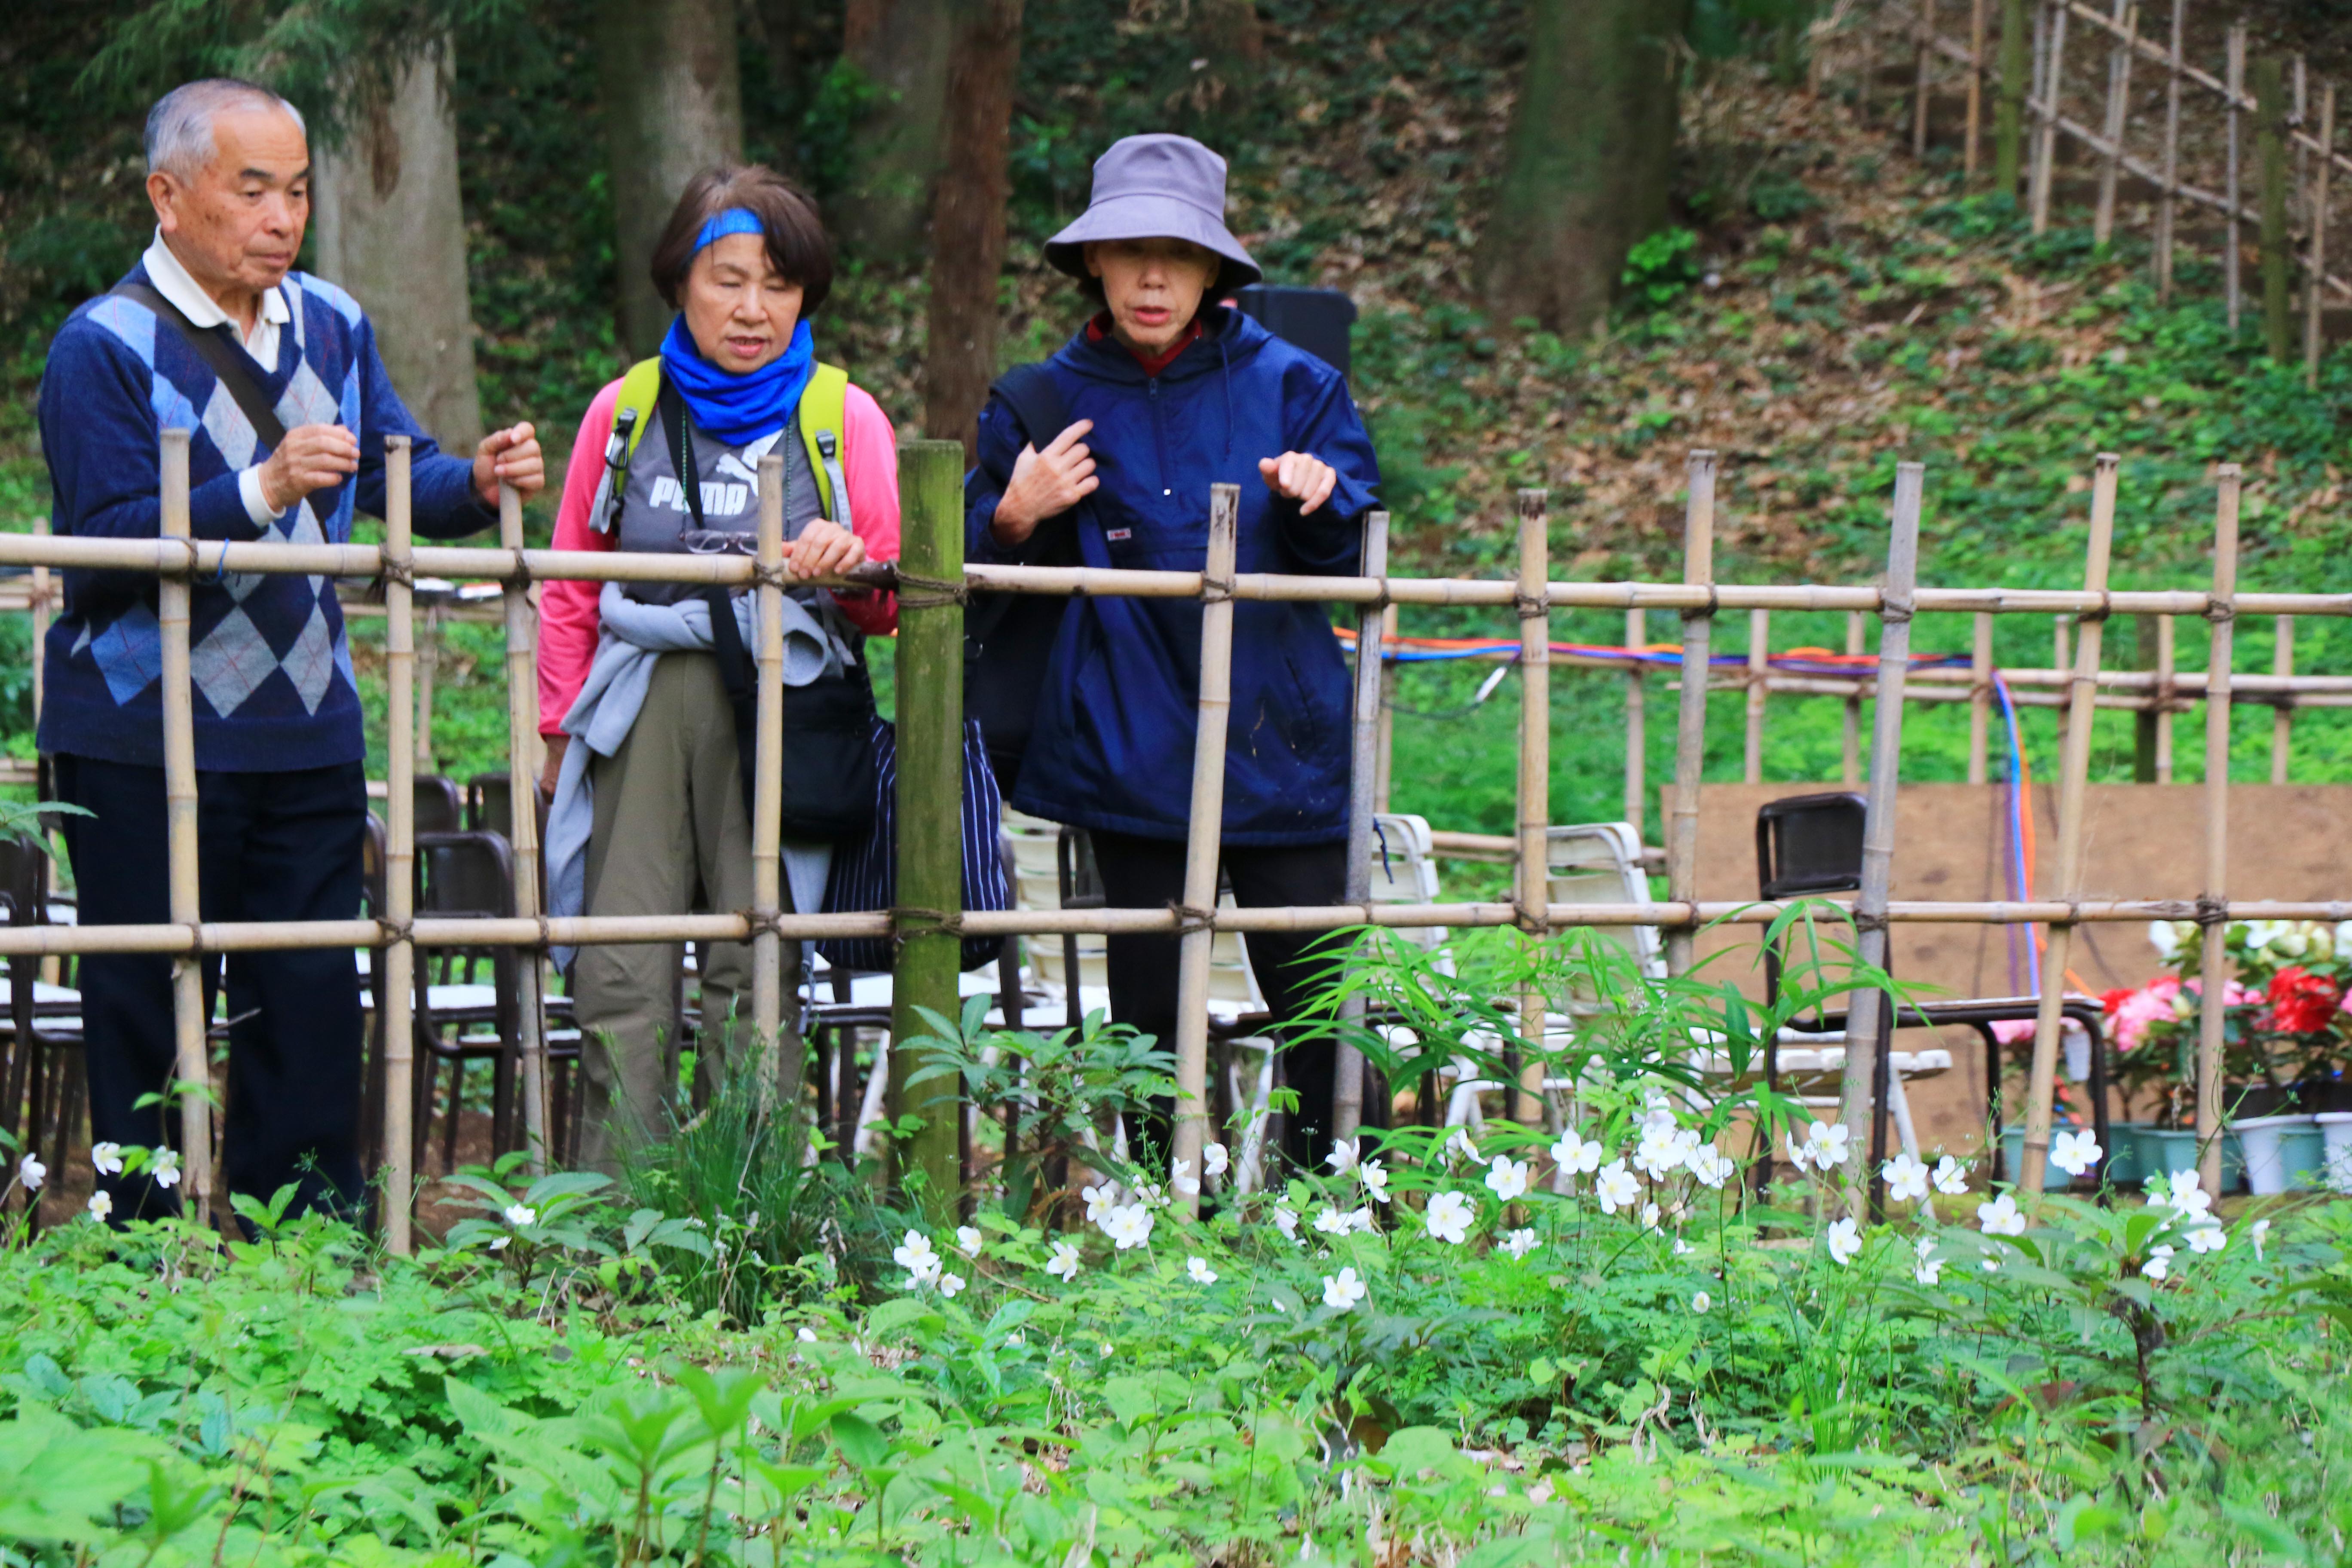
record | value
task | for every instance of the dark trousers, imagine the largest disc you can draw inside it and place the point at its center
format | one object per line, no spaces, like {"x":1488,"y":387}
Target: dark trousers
{"x":271,"y":846}
{"x":1149,"y":874}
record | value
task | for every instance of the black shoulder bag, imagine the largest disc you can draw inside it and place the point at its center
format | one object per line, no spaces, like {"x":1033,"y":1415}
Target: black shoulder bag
{"x":1008,"y":638}
{"x":829,"y":788}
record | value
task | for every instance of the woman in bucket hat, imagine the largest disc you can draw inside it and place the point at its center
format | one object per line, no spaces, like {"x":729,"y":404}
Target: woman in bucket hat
{"x":1161,"y":395}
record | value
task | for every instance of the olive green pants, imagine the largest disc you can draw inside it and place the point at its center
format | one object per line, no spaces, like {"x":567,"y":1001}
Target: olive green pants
{"x":669,"y":822}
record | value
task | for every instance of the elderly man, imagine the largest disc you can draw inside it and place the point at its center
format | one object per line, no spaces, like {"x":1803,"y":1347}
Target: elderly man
{"x":276,"y":372}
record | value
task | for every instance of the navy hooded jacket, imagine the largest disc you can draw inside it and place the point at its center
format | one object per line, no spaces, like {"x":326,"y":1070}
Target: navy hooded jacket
{"x":1116,"y":723}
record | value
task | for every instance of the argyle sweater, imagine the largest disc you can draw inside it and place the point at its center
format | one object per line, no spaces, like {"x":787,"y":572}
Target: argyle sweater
{"x":272,"y":670}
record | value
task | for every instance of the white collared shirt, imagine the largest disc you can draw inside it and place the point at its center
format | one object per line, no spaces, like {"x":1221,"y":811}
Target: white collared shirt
{"x":173,"y":283}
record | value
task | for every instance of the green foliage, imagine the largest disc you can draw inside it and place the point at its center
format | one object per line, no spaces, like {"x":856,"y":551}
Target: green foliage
{"x":1661,"y":268}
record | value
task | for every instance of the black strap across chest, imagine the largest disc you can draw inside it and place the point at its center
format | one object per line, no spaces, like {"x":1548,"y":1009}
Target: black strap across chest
{"x":230,"y":364}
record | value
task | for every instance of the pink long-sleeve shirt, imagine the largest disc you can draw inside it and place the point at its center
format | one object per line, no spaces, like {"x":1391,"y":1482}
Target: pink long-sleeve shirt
{"x":568,"y":617}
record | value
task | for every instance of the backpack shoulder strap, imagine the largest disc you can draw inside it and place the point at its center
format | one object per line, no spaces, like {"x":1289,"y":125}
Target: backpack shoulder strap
{"x":641,"y":390}
{"x":225,"y":362}
{"x":1034,"y":398}
{"x":823,"y":412}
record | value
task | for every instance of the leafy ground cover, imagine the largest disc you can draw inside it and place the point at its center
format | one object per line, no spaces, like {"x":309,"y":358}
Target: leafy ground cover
{"x":1587,"y":1344}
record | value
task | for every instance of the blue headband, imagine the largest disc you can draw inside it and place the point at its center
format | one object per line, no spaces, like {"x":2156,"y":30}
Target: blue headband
{"x":734,"y":220}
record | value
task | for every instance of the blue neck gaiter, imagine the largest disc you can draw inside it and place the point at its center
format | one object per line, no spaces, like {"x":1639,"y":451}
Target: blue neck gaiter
{"x":738,"y":409}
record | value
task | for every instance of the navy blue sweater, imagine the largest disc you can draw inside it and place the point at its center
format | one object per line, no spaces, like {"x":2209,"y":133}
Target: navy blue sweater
{"x":1119,"y":712}
{"x":272,"y":670}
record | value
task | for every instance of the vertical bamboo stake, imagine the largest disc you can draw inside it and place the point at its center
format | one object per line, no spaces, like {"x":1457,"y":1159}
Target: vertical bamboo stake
{"x":192,"y":1062}
{"x":1851,"y":751}
{"x":2166,"y":634}
{"x":1388,"y":714}
{"x":2315,"y":277}
{"x":2270,"y":158}
{"x":2233,"y":287}
{"x":2119,"y":64}
{"x":522,"y":785}
{"x":1864,"y":1057}
{"x":1919,"y":91}
{"x":2008,"y":107}
{"x":1759,"y":671}
{"x":1637,"y":740}
{"x":2167,"y":200}
{"x":931,"y":811}
{"x":1207,"y":823}
{"x":2063,"y":660}
{"x":399,"y":750}
{"x":1535,"y":776}
{"x":40,"y":622}
{"x":1690,"y":730}
{"x":2045,"y":146}
{"x":779,"y":1067}
{"x":2215,"y":965}
{"x":1363,"y":781}
{"x":2282,"y":715}
{"x":428,"y":661}
{"x":1979,"y":694}
{"x":2073,"y":774}
{"x":1975,"y":113}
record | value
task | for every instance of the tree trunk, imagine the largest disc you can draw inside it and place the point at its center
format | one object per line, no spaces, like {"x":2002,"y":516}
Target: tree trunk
{"x":900,"y":49}
{"x":1591,"y":160}
{"x":391,"y":230}
{"x":967,"y":220}
{"x":673,"y":107}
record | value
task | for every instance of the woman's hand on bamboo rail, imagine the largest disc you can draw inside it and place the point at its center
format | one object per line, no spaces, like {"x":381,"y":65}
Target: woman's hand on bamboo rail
{"x":824,"y":550}
{"x":548,"y":772}
{"x":1045,"y":484}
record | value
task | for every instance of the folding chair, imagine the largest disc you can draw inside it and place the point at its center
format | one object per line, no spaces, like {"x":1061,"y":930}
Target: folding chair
{"x":41,"y":1075}
{"x":440,"y":806}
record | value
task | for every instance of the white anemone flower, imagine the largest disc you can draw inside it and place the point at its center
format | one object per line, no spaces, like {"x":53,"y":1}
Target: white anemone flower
{"x":1202,"y":1274}
{"x":1928,"y":1268}
{"x":1151,"y":1195}
{"x":32,"y":1172}
{"x":1342,"y":1158}
{"x":1181,"y":1177}
{"x":2075,"y":1153}
{"x":2259,"y":1228}
{"x":106,"y":1159}
{"x":1831,"y":1144}
{"x":1100,"y":1200}
{"x":1951,"y":1177}
{"x":1845,"y":1241}
{"x":1507,"y":1178}
{"x":2187,"y":1198}
{"x":1801,"y":1155}
{"x":1449,"y":1217}
{"x":1459,"y":1147}
{"x":949,"y":1284}
{"x":968,"y":1240}
{"x":1711,"y":1166}
{"x":1649,"y":1216}
{"x":1659,"y":1154}
{"x":1128,"y":1227}
{"x":101,"y":1204}
{"x":1063,"y":1263}
{"x":1332,"y":1221}
{"x":1577,"y":1155}
{"x":1520,"y":1242}
{"x":2207,"y":1239}
{"x":163,"y":1167}
{"x":1214,"y":1160}
{"x":1701,"y":1302}
{"x":1616,"y":1187}
{"x":1343,"y":1290}
{"x":1906,"y":1179}
{"x":520,"y":1215}
{"x":1286,"y":1220}
{"x":915,"y":1255}
{"x":2001,"y":1216}
{"x":2158,"y":1264}
{"x":1375,"y":1177}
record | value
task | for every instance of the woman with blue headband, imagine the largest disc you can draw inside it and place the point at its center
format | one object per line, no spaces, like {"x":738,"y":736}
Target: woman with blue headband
{"x":641,"y":684}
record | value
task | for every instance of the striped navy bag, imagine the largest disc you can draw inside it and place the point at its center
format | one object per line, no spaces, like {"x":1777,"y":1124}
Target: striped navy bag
{"x":865,"y":875}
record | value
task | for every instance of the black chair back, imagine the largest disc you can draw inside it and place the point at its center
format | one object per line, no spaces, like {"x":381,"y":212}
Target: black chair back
{"x":1808,"y":844}
{"x":440,"y":806}
{"x":465,"y":875}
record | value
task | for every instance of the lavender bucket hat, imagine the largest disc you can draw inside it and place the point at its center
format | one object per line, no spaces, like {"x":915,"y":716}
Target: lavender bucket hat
{"x":1157,"y":187}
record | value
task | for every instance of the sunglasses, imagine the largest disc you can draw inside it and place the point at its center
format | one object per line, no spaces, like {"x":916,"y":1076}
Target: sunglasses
{"x":711,"y":542}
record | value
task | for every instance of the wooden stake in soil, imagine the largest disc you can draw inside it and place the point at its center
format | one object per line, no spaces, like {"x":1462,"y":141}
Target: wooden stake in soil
{"x":2045,"y":146}
{"x":778,"y":1064}
{"x":2232,"y":282}
{"x":2073,"y":776}
{"x":1535,"y":777}
{"x":2009,"y":106}
{"x":1979,"y":694}
{"x":1207,"y":824}
{"x":522,"y":785}
{"x":1637,"y":740}
{"x":1973,"y":131}
{"x":400,"y":853}
{"x":1851,"y":751}
{"x":2315,"y":276}
{"x":1363,"y":781}
{"x":2167,"y":634}
{"x":930,"y":807}
{"x":1866,"y":1040}
{"x":1690,"y":730}
{"x":192,"y":1061}
{"x":2120,"y":63}
{"x":1925,"y":50}
{"x":2214,"y":963}
{"x":2270,"y":158}
{"x":2282,"y":715}
{"x":2167,"y":211}
{"x":1759,"y":670}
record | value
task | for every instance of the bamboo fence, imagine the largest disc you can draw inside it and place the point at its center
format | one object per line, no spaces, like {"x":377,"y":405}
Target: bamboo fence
{"x":932,"y":583}
{"x":2293,"y":143}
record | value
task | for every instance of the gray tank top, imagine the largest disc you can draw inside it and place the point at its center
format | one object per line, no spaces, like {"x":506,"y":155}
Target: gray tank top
{"x":655,"y":518}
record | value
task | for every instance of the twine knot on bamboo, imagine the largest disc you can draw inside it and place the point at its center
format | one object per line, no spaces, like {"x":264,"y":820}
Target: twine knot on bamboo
{"x":1705,"y":612}
{"x":396,"y":931}
{"x":930,"y":592}
{"x":2221,"y":611}
{"x":1869,"y":921}
{"x":1531,"y":606}
{"x":2212,"y":910}
{"x":1215,"y":590}
{"x":1896,"y":609}
{"x":909,"y":922}
{"x":518,"y":581}
{"x":397,"y":569}
{"x":2090,"y":618}
{"x":766,"y":576}
{"x":1189,"y":920}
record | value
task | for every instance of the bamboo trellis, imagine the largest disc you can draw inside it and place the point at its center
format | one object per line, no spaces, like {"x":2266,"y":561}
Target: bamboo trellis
{"x":929,"y":747}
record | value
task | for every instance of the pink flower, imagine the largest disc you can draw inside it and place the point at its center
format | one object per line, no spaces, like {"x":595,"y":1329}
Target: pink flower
{"x":2129,"y":1012}
{"x":2010,"y":1031}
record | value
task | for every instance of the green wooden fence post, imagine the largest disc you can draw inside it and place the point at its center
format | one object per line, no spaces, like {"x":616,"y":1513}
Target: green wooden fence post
{"x":930,"y":805}
{"x":2008,"y":115}
{"x":2270,"y":153}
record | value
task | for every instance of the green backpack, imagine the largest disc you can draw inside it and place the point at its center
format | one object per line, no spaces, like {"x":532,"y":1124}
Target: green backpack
{"x":821,"y":415}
